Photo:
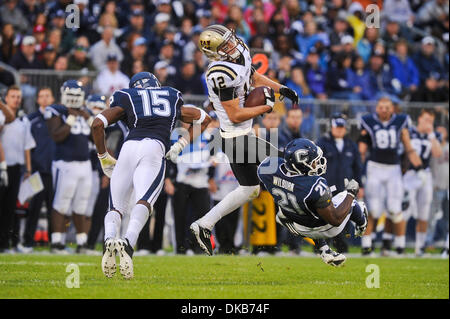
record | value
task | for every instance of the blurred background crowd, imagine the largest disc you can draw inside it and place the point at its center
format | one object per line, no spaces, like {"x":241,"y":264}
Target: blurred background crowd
{"x":325,"y":50}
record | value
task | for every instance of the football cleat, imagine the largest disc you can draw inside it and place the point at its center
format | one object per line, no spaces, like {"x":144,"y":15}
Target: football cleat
{"x":366,"y":251}
{"x":125,"y":252}
{"x":203,"y":237}
{"x":58,"y":249}
{"x":109,"y":257}
{"x":332,"y":258}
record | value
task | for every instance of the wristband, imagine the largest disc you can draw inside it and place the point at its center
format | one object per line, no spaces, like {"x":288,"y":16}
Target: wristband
{"x":71,"y":119}
{"x":102,"y":156}
{"x":202,"y":117}
{"x":103,"y":119}
{"x":183,"y":142}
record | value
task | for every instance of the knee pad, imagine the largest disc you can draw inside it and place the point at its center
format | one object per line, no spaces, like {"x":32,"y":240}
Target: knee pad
{"x":251,"y":192}
{"x":395,"y":217}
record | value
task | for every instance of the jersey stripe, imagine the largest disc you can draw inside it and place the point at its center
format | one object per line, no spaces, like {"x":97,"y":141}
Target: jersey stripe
{"x":132,"y":104}
{"x":224,"y":68}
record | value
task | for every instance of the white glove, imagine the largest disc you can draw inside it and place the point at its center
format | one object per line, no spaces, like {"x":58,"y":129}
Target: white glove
{"x":3,"y":174}
{"x":176,"y":149}
{"x":352,"y":187}
{"x":107,"y":162}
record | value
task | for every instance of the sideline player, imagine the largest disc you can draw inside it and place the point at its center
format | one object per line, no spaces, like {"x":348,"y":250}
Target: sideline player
{"x":418,"y":181}
{"x":69,"y":126}
{"x":381,"y":135}
{"x":230,"y":77}
{"x":150,"y":112}
{"x":305,"y":203}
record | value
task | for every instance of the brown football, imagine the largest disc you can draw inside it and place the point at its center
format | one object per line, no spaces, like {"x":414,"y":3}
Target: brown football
{"x":257,"y":97}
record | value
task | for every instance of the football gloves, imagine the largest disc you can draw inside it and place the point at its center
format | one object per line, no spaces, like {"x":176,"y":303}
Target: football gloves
{"x":289,"y":93}
{"x":107,"y":162}
{"x":352,"y":187}
{"x":176,"y":149}
{"x":3,"y":174}
{"x":270,"y":97}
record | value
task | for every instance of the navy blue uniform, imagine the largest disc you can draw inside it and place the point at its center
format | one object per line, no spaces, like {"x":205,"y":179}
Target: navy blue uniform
{"x":76,"y":146}
{"x":42,"y":154}
{"x":422,"y":146}
{"x":150,"y":112}
{"x":385,"y":138}
{"x":340,"y":165}
{"x":297,"y":196}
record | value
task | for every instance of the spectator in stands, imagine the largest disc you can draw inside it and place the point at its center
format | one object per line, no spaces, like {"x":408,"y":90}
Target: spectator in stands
{"x":167,"y":54}
{"x":399,"y":11}
{"x":403,"y":68}
{"x":138,"y":53}
{"x":189,"y":81}
{"x":315,"y":75}
{"x":432,"y":13}
{"x":17,"y":142}
{"x":426,"y":60}
{"x":431,"y":91}
{"x":338,"y":76}
{"x":61,"y":63}
{"x":136,"y":25}
{"x":9,"y":43}
{"x":381,"y":80}
{"x":100,"y":51}
{"x":111,"y":78}
{"x":356,"y":20}
{"x":11,"y":13}
{"x":290,"y":128}
{"x":308,"y":39}
{"x":109,"y":17}
{"x":49,"y":57}
{"x":341,"y":28}
{"x":78,"y":58}
{"x":41,"y":160}
{"x":55,"y":39}
{"x":161,"y":71}
{"x":359,"y":79}
{"x":365,"y":46}
{"x":156,"y":36}
{"x":26,"y":57}
{"x":392,"y":34}
{"x":67,"y":35}
{"x":39,"y":35}
{"x":31,"y":9}
{"x":242,"y":28}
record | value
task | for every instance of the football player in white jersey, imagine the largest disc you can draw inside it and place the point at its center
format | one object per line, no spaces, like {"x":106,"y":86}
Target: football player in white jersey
{"x":418,"y":181}
{"x":230,"y":77}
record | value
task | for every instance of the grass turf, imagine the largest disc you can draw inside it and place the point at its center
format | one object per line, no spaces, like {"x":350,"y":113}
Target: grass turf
{"x":223,"y":277}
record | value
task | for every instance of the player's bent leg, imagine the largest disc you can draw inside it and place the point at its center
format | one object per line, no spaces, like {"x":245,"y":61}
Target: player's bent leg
{"x":201,"y":229}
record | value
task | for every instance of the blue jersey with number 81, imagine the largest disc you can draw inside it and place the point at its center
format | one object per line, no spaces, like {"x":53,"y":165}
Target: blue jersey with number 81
{"x":149,"y":112}
{"x":385,"y":137}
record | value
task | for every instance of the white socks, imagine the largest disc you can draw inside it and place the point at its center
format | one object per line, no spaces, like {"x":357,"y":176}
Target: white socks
{"x":420,"y":241}
{"x":138,"y":218}
{"x":366,"y":241}
{"x":112,"y":224}
{"x":56,"y":238}
{"x":81,"y":239}
{"x":399,"y":241}
{"x":232,"y":201}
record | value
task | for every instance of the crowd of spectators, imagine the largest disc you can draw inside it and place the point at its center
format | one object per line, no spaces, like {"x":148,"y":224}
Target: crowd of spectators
{"x":322,"y":49}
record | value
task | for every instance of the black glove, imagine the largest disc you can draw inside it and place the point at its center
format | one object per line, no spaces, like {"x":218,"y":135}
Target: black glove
{"x":289,"y":93}
{"x":352,"y":187}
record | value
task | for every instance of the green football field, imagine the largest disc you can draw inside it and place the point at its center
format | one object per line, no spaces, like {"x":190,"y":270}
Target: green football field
{"x":223,"y":277}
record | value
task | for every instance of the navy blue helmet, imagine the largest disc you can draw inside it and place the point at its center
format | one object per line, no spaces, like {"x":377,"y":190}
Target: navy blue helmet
{"x":72,"y":94}
{"x":96,"y":103}
{"x":304,"y":157}
{"x":144,"y":80}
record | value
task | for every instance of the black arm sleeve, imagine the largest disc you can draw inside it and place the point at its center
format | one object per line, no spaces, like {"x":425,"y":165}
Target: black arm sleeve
{"x":226,"y":94}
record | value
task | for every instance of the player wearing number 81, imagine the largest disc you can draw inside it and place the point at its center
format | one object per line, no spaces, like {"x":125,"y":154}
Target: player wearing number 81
{"x":382,"y":134}
{"x":150,"y":112}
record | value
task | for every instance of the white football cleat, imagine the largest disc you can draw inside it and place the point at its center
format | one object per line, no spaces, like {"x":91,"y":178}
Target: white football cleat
{"x":125,"y":252}
{"x":109,"y":258}
{"x":332,"y":258}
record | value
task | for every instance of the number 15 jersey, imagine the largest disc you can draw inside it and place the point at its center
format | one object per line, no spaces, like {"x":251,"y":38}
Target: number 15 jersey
{"x":149,"y":112}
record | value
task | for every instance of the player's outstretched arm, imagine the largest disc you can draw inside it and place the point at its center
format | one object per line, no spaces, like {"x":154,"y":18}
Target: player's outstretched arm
{"x":413,"y":157}
{"x":237,"y":114}
{"x":336,"y":215}
{"x":199,"y":121}
{"x":262,"y":80}
{"x":7,"y":112}
{"x":102,"y":121}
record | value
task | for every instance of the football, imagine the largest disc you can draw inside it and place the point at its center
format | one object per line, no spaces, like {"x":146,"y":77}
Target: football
{"x":257,"y":96}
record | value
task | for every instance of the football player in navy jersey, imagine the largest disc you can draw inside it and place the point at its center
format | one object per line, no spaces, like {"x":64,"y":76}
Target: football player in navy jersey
{"x":381,"y":135}
{"x":69,"y":126}
{"x":150,"y":112}
{"x":418,"y":180}
{"x":306,"y":205}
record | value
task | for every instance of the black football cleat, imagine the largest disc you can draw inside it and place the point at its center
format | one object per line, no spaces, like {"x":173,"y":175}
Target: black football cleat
{"x":203,"y":237}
